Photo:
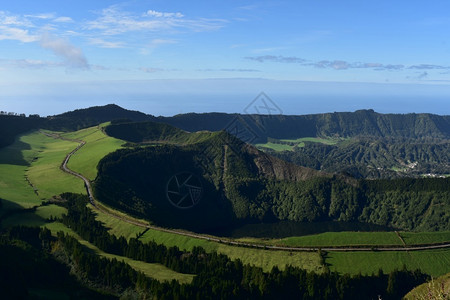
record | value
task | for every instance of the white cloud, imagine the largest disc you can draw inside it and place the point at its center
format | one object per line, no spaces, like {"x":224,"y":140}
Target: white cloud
{"x":44,"y":16}
{"x":105,"y":44}
{"x":158,"y":14}
{"x":114,"y":21}
{"x":71,"y":55}
{"x":17,"y":34}
{"x":63,"y":20}
{"x":14,"y":20}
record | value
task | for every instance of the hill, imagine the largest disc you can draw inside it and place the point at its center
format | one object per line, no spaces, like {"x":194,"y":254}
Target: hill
{"x":87,"y":117}
{"x":338,"y":124}
{"x":241,"y":184}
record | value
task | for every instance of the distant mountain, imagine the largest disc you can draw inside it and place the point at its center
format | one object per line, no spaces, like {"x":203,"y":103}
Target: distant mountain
{"x":339,"y":124}
{"x":82,"y":118}
{"x":241,"y":184}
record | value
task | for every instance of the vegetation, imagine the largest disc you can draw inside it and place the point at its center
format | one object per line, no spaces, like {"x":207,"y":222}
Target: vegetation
{"x":433,"y":262}
{"x":371,"y":157}
{"x":344,"y":239}
{"x":242,"y":184}
{"x":97,"y":146}
{"x":227,"y":278}
{"x":438,"y":288}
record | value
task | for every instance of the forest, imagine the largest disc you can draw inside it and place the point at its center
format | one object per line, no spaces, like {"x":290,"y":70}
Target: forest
{"x":217,"y":277}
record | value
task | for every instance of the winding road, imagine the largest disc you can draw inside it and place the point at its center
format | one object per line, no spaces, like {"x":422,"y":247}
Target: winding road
{"x":224,"y":240}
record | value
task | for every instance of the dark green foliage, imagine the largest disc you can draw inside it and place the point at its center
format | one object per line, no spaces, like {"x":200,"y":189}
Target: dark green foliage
{"x":374,"y":157}
{"x":26,"y":266}
{"x":243,"y":185}
{"x":11,"y":126}
{"x":342,"y":124}
{"x":217,"y":277}
{"x":82,"y":118}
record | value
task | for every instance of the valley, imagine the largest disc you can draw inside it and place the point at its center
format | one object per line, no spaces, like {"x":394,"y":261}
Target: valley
{"x":32,"y":183}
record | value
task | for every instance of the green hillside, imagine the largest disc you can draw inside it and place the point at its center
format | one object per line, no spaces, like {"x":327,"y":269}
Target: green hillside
{"x":242,"y":184}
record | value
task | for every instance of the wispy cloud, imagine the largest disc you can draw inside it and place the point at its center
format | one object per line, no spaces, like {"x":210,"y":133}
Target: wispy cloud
{"x":279,"y":58}
{"x":71,"y":55}
{"x":228,"y":70}
{"x":29,"y":63}
{"x":17,"y":34}
{"x":105,"y":44}
{"x":114,"y":21}
{"x":151,"y":70}
{"x":343,"y":65}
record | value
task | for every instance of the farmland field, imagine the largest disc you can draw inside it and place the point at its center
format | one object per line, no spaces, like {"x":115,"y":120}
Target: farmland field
{"x":433,"y":262}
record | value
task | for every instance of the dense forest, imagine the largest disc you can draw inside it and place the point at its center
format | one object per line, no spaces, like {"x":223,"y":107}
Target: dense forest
{"x":242,"y":184}
{"x":34,"y":260}
{"x":372,"y":157}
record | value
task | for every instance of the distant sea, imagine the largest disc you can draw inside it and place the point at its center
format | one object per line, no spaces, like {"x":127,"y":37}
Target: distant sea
{"x":231,"y":96}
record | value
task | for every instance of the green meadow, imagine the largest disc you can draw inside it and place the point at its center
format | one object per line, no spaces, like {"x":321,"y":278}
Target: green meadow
{"x":343,"y":239}
{"x":98,"y":145}
{"x":433,"y":262}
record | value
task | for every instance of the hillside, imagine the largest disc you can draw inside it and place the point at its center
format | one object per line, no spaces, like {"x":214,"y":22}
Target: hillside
{"x":87,"y":117}
{"x":339,"y":124}
{"x":243,"y":184}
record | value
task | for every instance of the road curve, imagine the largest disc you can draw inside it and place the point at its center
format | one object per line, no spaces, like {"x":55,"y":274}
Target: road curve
{"x":88,"y":187}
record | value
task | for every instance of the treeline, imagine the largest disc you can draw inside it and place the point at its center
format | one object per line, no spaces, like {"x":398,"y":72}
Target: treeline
{"x":28,"y":270}
{"x":12,"y":125}
{"x":217,"y":277}
{"x":374,"y":157}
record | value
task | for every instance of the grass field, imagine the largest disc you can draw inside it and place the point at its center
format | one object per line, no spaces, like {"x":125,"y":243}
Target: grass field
{"x":326,"y":141}
{"x":14,"y":161}
{"x":44,"y":173}
{"x":343,"y":239}
{"x":413,"y":238}
{"x":433,"y":262}
{"x":98,"y":145}
{"x":118,"y":227}
{"x":300,"y":142}
{"x":275,"y":146}
{"x":156,"y":271}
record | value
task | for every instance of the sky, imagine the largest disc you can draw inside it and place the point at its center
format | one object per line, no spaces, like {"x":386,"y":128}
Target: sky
{"x":166,"y":57}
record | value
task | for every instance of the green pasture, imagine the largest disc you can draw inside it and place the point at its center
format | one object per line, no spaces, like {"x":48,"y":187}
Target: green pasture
{"x":433,"y":262}
{"x":275,"y":146}
{"x":98,"y":145}
{"x":417,"y":238}
{"x":343,"y":239}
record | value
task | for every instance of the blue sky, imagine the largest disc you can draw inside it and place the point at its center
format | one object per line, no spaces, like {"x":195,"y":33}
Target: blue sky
{"x":167,"y":57}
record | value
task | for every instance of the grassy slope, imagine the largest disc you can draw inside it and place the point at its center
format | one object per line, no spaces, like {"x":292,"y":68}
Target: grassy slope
{"x":45,"y":174}
{"x":415,"y":238}
{"x":98,"y":145}
{"x":14,"y":161}
{"x":153,"y":270}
